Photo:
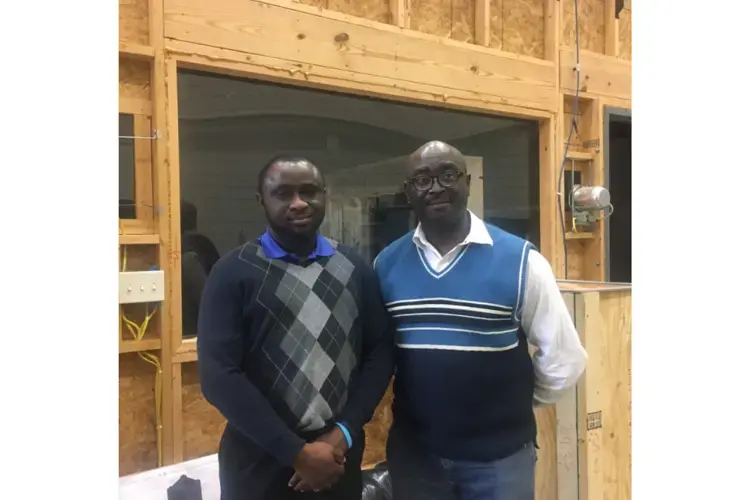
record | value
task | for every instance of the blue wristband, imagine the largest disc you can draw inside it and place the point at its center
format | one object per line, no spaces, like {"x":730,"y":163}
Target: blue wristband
{"x":346,"y":434}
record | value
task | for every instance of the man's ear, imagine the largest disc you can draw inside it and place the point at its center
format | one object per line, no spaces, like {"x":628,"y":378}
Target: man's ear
{"x":405,"y":186}
{"x":259,"y":199}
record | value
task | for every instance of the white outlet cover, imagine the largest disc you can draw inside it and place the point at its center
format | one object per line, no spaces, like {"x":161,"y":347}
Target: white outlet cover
{"x":141,"y":287}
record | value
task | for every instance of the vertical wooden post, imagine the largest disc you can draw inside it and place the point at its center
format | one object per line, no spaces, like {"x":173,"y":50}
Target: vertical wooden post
{"x":552,"y":29}
{"x":551,"y":150}
{"x":400,"y":13}
{"x":611,"y":29}
{"x":163,"y":215}
{"x":594,"y":253}
{"x":171,"y":170}
{"x":482,"y":22}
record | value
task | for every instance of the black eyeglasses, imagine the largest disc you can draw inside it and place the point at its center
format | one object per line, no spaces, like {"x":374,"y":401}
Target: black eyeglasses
{"x":445,"y":179}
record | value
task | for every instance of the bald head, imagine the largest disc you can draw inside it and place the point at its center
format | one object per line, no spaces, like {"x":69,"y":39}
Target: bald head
{"x":437,"y":184}
{"x":436,"y":152}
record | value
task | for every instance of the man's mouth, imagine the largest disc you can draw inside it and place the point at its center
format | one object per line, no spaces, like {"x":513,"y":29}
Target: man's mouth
{"x":300,"y":220}
{"x":438,"y":203}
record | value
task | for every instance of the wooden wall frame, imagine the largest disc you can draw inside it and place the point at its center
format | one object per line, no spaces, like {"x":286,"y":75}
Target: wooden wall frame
{"x":287,"y":41}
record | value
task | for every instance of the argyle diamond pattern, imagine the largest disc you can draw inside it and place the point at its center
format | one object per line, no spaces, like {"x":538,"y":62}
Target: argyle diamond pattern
{"x":309,"y":348}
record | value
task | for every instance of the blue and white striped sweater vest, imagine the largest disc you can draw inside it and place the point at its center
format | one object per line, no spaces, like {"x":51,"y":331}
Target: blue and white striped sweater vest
{"x":472,"y":305}
{"x":464,"y":378}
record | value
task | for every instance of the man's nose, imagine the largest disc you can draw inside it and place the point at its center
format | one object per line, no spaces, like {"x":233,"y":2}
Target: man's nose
{"x":297,"y":203}
{"x":435,"y":187}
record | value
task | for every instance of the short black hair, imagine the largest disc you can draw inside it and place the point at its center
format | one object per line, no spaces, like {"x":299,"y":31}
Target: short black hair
{"x":282,"y":158}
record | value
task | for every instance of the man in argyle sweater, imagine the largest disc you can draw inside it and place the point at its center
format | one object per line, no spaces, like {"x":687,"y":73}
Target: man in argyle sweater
{"x":294,"y":349}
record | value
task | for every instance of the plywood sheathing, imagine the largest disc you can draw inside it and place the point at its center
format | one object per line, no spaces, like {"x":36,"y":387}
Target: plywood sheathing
{"x":135,"y":79}
{"x":604,"y":323}
{"x":591,"y":25}
{"x":137,"y":421}
{"x":202,"y":423}
{"x":518,"y":26}
{"x":134,"y":21}
{"x":546,"y":469}
{"x":374,"y":10}
{"x":453,"y":19}
{"x":624,"y":34}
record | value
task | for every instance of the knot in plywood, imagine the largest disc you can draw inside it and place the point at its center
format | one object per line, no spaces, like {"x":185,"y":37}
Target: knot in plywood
{"x":341,"y":38}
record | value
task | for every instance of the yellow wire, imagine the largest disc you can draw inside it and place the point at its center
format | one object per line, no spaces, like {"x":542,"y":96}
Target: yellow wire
{"x":138,"y":332}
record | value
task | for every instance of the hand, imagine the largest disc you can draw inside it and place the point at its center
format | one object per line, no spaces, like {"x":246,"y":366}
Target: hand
{"x":335,"y":438}
{"x":318,"y":466}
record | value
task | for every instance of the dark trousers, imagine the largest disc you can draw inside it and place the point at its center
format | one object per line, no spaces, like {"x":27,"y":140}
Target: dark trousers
{"x":248,"y":473}
{"x":416,"y":474}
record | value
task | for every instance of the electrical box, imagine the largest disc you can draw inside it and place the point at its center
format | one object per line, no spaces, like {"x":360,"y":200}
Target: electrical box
{"x":141,"y":287}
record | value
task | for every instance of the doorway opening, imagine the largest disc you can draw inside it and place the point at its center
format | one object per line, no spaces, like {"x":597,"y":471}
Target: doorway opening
{"x":618,"y":182}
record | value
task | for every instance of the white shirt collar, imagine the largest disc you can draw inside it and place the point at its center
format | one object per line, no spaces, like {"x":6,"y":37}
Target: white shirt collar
{"x":478,"y":234}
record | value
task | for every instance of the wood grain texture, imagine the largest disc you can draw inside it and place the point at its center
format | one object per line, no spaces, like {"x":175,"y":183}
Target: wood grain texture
{"x":591,"y":25}
{"x":137,"y":420}
{"x":202,"y":423}
{"x":374,"y":10}
{"x":600,"y":75}
{"x":603,"y":320}
{"x":134,"y":21}
{"x":624,"y":35}
{"x":317,"y":42}
{"x":518,"y":26}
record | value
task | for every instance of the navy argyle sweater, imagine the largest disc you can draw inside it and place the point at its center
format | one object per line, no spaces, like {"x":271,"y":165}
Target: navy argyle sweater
{"x":286,"y":349}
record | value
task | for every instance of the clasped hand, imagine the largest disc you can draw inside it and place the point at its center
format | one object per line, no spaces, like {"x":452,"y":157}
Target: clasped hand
{"x":320,"y":464}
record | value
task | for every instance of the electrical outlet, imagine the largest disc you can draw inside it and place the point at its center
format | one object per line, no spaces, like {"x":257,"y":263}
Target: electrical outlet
{"x":141,"y":286}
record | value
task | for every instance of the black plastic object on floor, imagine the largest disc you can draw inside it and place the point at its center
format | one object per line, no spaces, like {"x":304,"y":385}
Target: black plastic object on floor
{"x":376,"y":483}
{"x":185,"y":488}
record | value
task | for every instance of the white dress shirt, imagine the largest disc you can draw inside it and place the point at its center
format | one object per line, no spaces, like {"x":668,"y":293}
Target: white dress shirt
{"x":559,"y":358}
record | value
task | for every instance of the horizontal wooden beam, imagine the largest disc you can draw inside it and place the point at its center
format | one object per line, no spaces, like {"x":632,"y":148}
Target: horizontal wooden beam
{"x":127,"y":346}
{"x":187,"y":352}
{"x":323,"y":49}
{"x":139,"y":239}
{"x":600,"y":75}
{"x":136,"y":51}
{"x":135,"y":226}
{"x":135,"y":106}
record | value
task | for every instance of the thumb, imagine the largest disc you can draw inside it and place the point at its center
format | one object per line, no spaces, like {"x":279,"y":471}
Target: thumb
{"x":339,"y":456}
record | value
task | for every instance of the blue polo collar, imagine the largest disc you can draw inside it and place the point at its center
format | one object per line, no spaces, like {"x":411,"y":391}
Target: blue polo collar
{"x":272,"y":250}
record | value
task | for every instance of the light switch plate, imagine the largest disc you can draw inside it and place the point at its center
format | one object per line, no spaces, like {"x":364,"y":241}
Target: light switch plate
{"x":141,"y":286}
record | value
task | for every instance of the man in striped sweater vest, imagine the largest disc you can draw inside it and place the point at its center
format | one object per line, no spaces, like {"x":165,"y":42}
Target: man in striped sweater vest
{"x":468,"y":300}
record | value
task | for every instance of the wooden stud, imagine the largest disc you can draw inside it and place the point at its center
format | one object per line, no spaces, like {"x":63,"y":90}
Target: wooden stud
{"x":140,"y":345}
{"x":482,"y":22}
{"x":178,"y":446}
{"x":162,"y":192}
{"x":139,"y":239}
{"x":611,"y":29}
{"x":143,"y":165}
{"x":552,"y":29}
{"x":136,"y":51}
{"x":135,"y":106}
{"x":399,"y":13}
{"x":135,"y":227}
{"x":169,"y":182}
